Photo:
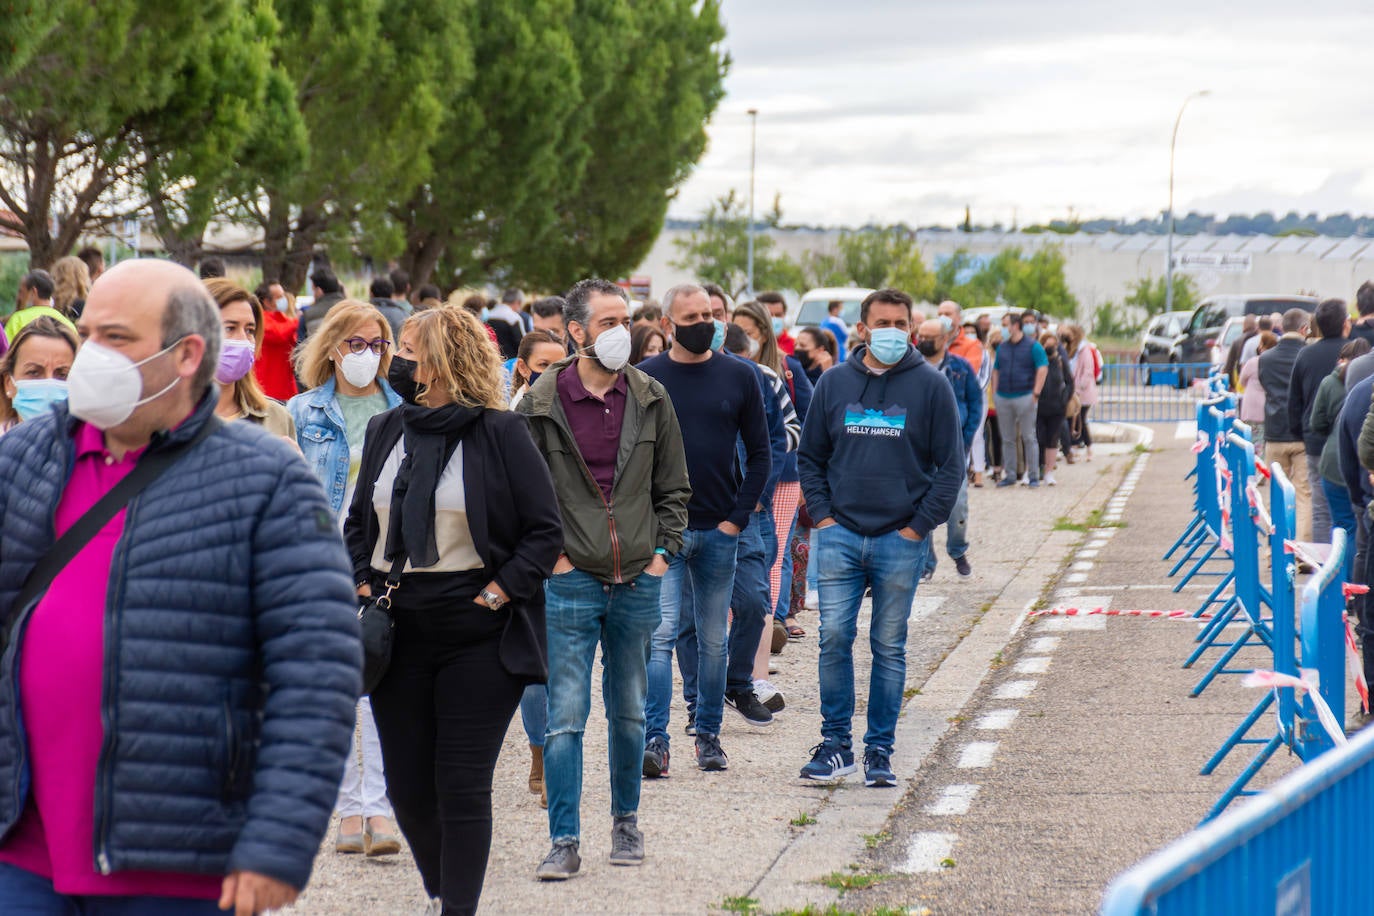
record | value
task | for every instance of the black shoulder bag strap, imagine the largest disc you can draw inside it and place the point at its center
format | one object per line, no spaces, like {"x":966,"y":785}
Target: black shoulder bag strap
{"x":149,"y":468}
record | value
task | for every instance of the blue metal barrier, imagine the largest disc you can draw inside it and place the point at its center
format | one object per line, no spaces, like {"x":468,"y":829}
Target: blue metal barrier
{"x":1300,"y":847}
{"x":1160,"y":393}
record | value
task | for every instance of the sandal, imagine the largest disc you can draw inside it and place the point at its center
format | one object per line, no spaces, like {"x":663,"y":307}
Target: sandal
{"x":795,"y":632}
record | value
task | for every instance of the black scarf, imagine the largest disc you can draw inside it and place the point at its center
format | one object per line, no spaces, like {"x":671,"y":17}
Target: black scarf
{"x":431,"y":436}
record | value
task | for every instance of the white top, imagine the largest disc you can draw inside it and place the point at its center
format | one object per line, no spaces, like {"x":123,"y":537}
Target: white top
{"x":451,"y":533}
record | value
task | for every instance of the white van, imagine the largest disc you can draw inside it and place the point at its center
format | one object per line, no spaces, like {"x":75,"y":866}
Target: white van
{"x":815,"y":305}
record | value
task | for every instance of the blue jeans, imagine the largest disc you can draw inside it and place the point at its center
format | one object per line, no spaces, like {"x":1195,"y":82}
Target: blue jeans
{"x":849,"y":563}
{"x":956,"y":530}
{"x":1342,"y":516}
{"x":582,"y":610}
{"x":534,"y":713}
{"x":749,"y":601}
{"x":707,"y":560}
{"x":22,"y":893}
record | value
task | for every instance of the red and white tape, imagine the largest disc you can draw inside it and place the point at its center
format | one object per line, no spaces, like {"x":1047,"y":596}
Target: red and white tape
{"x":1308,"y":683}
{"x":1114,"y":612}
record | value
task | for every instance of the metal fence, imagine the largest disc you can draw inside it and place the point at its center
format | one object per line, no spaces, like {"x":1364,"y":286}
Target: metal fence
{"x":1154,"y":393}
{"x":1299,"y":848}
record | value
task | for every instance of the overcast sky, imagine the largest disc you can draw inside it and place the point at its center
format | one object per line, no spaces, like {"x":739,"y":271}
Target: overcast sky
{"x":888,"y":111}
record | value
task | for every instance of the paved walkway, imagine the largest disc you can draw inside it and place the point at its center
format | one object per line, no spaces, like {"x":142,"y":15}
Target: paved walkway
{"x":757,"y":835}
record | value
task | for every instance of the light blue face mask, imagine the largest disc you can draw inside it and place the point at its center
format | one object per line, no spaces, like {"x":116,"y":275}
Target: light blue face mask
{"x":35,"y":397}
{"x":777,"y":327}
{"x":718,"y":338}
{"x":1028,"y":330}
{"x":888,"y":345}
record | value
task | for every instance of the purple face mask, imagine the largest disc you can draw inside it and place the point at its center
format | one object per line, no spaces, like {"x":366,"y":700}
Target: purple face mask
{"x":235,"y":359}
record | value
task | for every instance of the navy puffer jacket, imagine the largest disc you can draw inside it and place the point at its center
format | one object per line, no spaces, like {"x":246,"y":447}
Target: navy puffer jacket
{"x":232,"y":659}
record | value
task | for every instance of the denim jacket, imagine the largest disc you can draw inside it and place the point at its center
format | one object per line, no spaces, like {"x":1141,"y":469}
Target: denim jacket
{"x":323,"y":436}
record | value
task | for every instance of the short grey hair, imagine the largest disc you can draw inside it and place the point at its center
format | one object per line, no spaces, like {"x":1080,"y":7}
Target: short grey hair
{"x":192,"y":310}
{"x":575,"y":303}
{"x":682,"y":289}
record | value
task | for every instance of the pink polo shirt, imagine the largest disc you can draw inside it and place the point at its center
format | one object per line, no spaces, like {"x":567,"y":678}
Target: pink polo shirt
{"x":61,"y":664}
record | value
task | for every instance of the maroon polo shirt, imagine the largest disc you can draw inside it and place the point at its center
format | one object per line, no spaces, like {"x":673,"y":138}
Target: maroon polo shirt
{"x":595,"y":424}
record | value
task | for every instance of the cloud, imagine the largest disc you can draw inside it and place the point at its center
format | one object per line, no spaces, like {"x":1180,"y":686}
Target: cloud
{"x":907,"y":110}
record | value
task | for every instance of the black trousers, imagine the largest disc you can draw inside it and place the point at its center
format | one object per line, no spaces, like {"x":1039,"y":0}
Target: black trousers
{"x":1047,"y":429}
{"x":992,"y":437}
{"x":442,"y":712}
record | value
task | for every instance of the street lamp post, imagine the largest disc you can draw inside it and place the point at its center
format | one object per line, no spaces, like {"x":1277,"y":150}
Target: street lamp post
{"x":1169,"y":263}
{"x":753,"y":125}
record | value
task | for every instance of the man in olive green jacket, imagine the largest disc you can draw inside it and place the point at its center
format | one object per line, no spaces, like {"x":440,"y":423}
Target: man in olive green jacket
{"x":614,"y":448}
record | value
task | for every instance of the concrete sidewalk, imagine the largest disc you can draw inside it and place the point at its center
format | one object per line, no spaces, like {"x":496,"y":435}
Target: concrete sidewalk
{"x":757,"y":832}
{"x":1081,"y":755}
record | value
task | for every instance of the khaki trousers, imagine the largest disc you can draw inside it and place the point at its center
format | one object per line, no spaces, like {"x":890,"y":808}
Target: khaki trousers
{"x":1292,"y":458}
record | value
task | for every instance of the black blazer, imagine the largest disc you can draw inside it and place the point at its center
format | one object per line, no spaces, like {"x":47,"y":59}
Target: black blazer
{"x":512,"y":515}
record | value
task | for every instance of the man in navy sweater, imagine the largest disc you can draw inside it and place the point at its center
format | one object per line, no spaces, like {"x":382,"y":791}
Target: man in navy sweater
{"x":881,"y":462}
{"x":716,"y":398}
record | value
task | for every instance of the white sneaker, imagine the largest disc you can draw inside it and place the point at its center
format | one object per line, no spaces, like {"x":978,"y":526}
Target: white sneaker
{"x":772,"y":666}
{"x":1049,"y":480}
{"x":769,"y":695}
{"x":1024,"y":480}
{"x":813,"y":600}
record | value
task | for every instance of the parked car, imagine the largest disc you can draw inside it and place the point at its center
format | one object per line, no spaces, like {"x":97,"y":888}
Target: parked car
{"x":1230,"y":333}
{"x":1209,"y":319}
{"x":1160,"y":340}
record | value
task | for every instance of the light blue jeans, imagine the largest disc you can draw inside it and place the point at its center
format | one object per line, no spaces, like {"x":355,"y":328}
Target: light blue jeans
{"x":581,"y":611}
{"x":849,"y":563}
{"x":708,"y":559}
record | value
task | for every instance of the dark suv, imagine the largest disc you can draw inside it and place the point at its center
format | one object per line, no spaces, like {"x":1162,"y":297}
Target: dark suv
{"x":1205,"y":327}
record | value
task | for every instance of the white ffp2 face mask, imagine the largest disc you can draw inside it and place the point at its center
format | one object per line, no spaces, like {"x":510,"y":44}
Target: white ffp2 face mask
{"x":613,"y":348}
{"x":360,"y":369}
{"x":104,"y":386}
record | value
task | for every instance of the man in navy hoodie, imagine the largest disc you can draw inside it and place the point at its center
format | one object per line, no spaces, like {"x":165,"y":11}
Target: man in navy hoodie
{"x":881,"y":462}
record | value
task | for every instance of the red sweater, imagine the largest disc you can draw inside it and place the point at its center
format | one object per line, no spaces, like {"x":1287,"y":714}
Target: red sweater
{"x":273,"y":366}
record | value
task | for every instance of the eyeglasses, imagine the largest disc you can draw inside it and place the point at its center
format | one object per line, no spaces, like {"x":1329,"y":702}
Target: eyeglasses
{"x":357,"y":345}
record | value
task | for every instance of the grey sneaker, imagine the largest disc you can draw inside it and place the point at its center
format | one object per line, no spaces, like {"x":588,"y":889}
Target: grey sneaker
{"x":560,"y":864}
{"x":710,"y":757}
{"x":627,"y":843}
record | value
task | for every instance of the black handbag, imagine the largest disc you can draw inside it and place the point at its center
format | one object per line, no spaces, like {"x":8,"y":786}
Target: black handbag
{"x":378,"y":628}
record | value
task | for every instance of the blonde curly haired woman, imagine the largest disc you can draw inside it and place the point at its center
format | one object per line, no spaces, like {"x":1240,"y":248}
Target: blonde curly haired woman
{"x":455,"y":514}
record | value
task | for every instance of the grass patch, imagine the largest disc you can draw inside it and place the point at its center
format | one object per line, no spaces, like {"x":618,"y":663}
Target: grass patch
{"x":1064,"y":523}
{"x":997,"y":661}
{"x":1095,"y":521}
{"x":911,"y":692}
{"x":874,"y":840}
{"x":802,"y":820}
{"x":850,"y":881}
{"x":742,"y":905}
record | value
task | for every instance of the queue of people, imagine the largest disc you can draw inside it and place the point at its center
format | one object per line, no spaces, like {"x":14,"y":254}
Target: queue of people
{"x":651,"y":484}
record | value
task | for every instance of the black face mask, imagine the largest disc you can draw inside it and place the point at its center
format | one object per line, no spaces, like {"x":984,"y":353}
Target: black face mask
{"x":401,"y":377}
{"x":927,"y":348}
{"x":695,"y":338}
{"x":804,"y":357}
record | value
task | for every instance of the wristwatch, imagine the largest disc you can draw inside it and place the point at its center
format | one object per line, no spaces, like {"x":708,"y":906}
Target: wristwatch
{"x":492,"y":600}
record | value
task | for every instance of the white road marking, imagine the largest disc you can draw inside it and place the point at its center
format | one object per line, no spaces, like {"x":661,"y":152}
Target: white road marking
{"x":953,"y":800}
{"x":977,"y":755}
{"x":926,"y":851}
{"x":1081,"y":567}
{"x":1087,"y":554}
{"x":1019,"y":690}
{"x":1043,"y":645}
{"x":1097,"y":622}
{"x":1037,"y":665}
{"x":997,"y":720}
{"x":1076,"y":578}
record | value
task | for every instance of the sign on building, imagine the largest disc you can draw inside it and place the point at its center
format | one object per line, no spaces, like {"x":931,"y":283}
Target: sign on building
{"x":1222,"y":262}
